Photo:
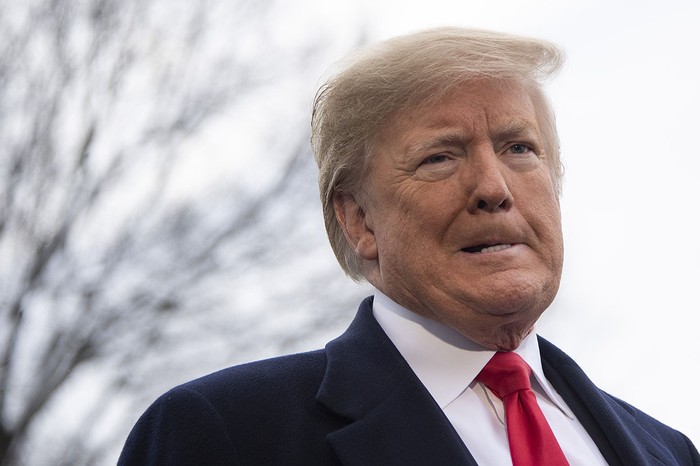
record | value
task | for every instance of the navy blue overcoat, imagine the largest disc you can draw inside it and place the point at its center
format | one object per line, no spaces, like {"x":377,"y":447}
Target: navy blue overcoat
{"x":358,"y":403}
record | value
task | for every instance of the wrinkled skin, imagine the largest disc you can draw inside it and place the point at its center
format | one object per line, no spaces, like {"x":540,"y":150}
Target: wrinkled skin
{"x":464,"y":173}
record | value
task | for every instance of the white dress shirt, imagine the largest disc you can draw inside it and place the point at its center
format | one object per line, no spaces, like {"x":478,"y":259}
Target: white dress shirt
{"x":447,"y":363}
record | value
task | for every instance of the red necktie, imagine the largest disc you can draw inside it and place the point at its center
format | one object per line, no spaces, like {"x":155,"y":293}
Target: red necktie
{"x":530,"y":438}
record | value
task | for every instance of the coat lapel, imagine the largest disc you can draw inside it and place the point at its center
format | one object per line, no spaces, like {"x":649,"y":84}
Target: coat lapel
{"x":611,"y":423}
{"x":392,"y":419}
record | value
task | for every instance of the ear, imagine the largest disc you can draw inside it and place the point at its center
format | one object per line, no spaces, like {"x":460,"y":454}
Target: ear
{"x":356,"y":226}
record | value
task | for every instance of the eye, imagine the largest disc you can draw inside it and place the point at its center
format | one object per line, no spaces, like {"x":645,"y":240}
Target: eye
{"x":437,"y":167}
{"x":435,"y":159}
{"x":519,"y":148}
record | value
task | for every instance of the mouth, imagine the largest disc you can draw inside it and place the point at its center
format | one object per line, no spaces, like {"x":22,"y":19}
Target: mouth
{"x":484,"y":248}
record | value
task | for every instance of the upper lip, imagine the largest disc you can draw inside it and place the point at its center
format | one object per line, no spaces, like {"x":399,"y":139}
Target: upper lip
{"x":479,"y":242}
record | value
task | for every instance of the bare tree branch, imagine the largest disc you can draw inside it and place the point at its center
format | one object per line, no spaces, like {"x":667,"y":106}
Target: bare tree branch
{"x":101,"y":268}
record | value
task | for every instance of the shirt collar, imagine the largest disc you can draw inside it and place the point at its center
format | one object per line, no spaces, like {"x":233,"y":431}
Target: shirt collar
{"x":446,"y":361}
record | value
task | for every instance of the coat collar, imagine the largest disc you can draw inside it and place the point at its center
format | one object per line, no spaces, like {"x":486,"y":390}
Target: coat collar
{"x":369,"y":383}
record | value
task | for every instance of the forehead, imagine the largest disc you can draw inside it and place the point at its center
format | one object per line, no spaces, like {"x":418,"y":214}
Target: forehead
{"x":488,"y":104}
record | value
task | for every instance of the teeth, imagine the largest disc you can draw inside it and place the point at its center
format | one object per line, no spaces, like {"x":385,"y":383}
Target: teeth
{"x":498,"y":247}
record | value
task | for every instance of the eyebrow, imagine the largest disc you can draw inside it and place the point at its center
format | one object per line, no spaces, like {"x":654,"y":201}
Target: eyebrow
{"x":449,"y":139}
{"x":515,"y":129}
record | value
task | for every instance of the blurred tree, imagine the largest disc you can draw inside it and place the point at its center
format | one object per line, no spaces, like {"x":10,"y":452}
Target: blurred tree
{"x":115,"y":280}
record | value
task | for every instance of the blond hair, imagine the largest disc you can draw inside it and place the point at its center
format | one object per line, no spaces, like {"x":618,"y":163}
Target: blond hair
{"x":407,"y":71}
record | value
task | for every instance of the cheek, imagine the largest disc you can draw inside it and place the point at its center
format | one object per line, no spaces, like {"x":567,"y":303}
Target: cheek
{"x":555,"y":243}
{"x":405,"y":235}
{"x":429,"y":210}
{"x":548,"y":210}
{"x":544,"y":215}
{"x":551,"y":233}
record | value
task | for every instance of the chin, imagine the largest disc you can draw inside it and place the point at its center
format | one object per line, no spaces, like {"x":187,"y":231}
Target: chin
{"x":502,"y":325}
{"x":504,"y":338}
{"x":511,"y":338}
{"x":522,"y":299}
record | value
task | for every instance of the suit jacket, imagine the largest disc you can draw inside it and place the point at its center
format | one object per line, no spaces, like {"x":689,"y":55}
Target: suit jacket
{"x":359,"y":403}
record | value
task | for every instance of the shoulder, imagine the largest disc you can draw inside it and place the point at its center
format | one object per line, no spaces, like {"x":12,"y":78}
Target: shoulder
{"x":224,"y":417}
{"x":281,"y":384}
{"x":279,"y":375}
{"x":663,"y":436}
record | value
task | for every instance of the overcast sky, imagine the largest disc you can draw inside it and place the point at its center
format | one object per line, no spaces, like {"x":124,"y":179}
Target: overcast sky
{"x":627,"y":104}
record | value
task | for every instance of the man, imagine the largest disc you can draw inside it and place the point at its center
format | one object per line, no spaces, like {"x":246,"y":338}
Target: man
{"x":439,"y":177}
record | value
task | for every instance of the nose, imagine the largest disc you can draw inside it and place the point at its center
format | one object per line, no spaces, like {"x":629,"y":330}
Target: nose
{"x":488,"y":189}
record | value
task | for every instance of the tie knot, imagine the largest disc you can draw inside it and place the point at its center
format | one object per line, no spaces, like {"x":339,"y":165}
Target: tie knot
{"x":505,"y":373}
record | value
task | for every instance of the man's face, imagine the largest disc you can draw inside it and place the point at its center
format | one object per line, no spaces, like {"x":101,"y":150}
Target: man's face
{"x":460,"y":219}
